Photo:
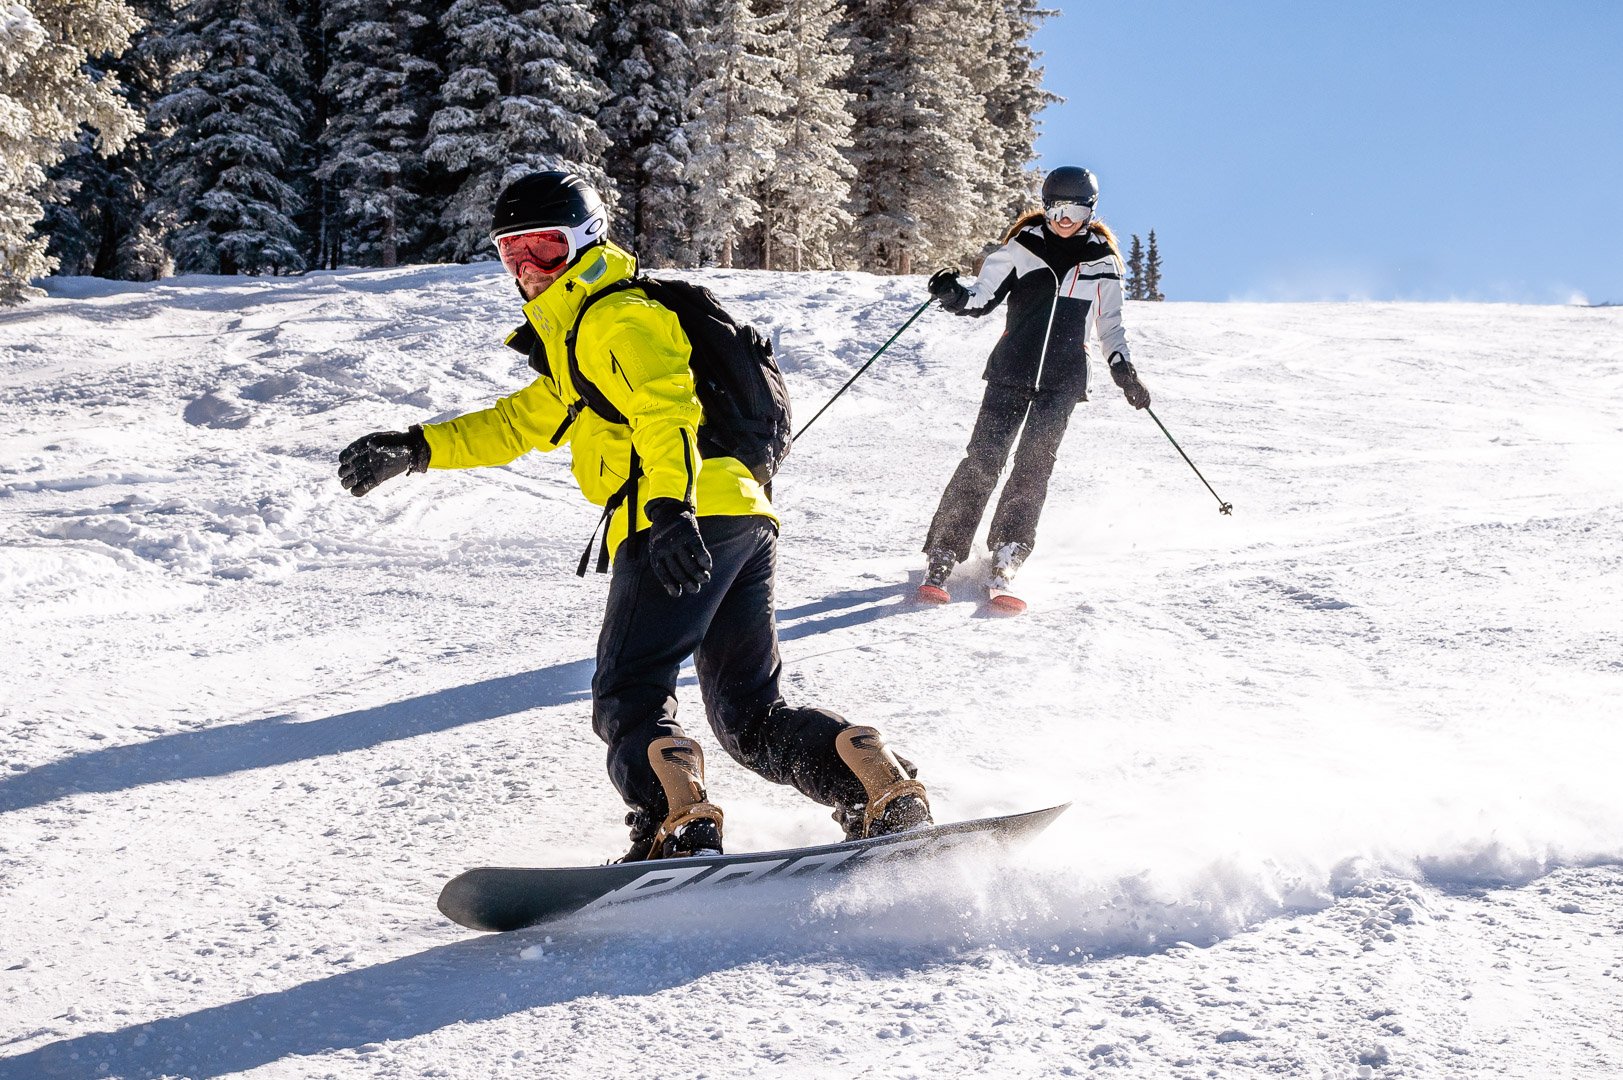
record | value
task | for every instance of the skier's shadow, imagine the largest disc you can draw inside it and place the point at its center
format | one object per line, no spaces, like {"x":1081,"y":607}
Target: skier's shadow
{"x":279,"y":740}
{"x":842,"y":609}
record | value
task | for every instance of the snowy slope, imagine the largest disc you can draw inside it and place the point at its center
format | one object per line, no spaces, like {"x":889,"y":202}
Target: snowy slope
{"x":1343,"y":764}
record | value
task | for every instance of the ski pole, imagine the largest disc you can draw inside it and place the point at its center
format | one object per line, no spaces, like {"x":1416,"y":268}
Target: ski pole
{"x":863,"y":368}
{"x":1222,"y":507}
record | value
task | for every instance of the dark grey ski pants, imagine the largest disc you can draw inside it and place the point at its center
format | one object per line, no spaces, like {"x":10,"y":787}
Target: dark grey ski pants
{"x":1004,"y":410}
{"x":728,"y":628}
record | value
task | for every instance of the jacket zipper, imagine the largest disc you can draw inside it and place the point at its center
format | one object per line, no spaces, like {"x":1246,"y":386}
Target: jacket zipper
{"x":1053,"y":306}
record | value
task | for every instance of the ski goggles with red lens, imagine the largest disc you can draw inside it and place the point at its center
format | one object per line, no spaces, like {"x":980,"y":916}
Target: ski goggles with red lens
{"x":1075,"y":211}
{"x":547,"y":250}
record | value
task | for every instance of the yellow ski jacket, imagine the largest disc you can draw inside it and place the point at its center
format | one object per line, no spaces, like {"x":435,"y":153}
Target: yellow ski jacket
{"x":634,"y":351}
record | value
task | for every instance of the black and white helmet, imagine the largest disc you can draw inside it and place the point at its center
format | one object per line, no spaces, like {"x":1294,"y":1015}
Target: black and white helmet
{"x":551,"y":200}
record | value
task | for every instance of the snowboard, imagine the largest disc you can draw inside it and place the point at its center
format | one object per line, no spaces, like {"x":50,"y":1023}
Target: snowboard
{"x":502,"y":898}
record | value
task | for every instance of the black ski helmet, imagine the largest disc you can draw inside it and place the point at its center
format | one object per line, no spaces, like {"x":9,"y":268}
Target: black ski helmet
{"x":1069,"y":183}
{"x":552,"y":199}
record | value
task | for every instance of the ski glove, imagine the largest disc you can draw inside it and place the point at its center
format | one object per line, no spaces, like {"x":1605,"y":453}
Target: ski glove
{"x":1126,"y":378}
{"x":944,"y":287}
{"x":372,"y":459}
{"x":676,"y":551}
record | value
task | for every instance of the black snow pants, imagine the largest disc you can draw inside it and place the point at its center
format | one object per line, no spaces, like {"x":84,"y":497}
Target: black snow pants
{"x":728,"y":628}
{"x":1003,"y":410}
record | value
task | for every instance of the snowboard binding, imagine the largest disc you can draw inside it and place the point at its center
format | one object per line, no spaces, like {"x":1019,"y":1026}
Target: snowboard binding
{"x":894,"y":802}
{"x":692,"y":824}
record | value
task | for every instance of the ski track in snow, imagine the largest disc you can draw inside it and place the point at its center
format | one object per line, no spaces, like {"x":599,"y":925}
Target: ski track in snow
{"x":1342,"y":765}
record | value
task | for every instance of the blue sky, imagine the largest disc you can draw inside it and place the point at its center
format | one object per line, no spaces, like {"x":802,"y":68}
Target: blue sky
{"x":1427,"y":150}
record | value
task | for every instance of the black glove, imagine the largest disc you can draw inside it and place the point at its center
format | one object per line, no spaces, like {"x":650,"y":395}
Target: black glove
{"x":945,"y":288}
{"x":1126,"y":378}
{"x":372,"y":459}
{"x":676,"y":551}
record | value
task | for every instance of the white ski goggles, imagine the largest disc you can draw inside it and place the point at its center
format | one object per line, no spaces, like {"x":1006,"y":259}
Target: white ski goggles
{"x":1076,"y":212}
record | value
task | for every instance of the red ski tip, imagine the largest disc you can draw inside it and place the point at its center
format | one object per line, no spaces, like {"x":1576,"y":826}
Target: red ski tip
{"x":932,"y":594}
{"x":1005,"y":604}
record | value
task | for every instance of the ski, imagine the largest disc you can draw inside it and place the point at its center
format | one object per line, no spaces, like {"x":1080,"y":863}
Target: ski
{"x":1004,"y":602}
{"x":931,"y":594}
{"x":500,"y":898}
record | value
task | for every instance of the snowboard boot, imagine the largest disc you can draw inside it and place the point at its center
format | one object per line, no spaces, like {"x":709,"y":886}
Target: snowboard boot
{"x":936,"y":573}
{"x":1006,"y":562}
{"x":893,"y":802}
{"x":692,"y":824}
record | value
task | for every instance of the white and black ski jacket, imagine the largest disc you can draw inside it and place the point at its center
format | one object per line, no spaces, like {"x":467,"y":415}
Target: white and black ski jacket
{"x":1059,"y":293}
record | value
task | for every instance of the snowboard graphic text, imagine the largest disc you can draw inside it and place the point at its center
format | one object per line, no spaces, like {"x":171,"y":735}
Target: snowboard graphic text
{"x":745,"y":868}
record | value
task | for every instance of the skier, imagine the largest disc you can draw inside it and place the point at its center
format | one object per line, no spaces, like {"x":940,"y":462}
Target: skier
{"x":693,"y":540}
{"x":1060,"y":271}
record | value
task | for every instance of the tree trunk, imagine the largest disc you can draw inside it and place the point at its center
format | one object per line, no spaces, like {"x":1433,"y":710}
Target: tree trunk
{"x":391,"y":250}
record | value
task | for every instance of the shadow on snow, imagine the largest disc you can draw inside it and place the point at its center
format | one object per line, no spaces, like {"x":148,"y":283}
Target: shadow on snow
{"x":277,"y":740}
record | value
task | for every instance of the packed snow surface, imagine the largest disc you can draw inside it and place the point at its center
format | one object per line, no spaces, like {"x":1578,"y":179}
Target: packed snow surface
{"x":1344,"y":765}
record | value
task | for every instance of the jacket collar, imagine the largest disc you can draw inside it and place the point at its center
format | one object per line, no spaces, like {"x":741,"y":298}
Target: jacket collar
{"x":1059,"y":252}
{"x":554,"y":311}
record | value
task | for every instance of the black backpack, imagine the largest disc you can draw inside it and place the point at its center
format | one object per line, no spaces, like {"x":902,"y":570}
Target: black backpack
{"x":746,"y":405}
{"x":745,"y":401}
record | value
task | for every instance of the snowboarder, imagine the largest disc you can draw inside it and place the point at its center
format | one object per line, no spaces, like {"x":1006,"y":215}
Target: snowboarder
{"x":1060,"y":271}
{"x":693,"y":539}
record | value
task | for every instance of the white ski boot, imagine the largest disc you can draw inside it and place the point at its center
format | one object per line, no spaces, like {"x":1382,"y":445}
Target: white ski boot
{"x":1006,"y":562}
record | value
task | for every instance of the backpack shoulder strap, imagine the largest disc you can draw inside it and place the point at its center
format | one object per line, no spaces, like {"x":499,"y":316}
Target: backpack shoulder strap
{"x":591,"y":397}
